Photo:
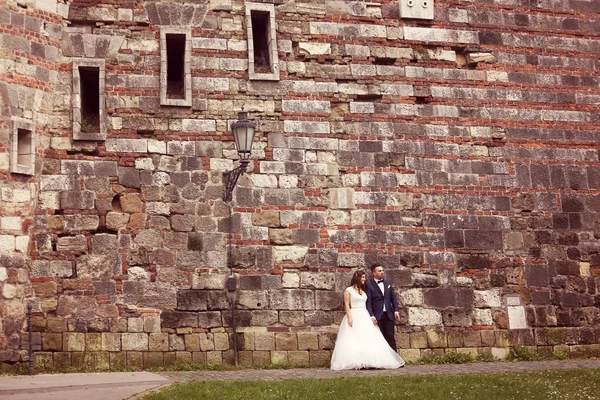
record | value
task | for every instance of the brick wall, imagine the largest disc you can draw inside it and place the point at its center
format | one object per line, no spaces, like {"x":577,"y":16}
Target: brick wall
{"x":460,"y":153}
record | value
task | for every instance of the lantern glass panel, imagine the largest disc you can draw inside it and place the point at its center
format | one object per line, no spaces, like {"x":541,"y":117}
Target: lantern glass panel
{"x":243,"y":133}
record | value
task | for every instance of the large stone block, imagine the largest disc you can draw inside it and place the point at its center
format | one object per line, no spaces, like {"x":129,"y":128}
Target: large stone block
{"x":77,"y":243}
{"x":131,"y":203}
{"x":482,"y":316}
{"x":192,"y":300}
{"x":129,"y":177}
{"x":178,"y":319}
{"x":319,"y":358}
{"x":252,"y":299}
{"x":95,"y":266}
{"x":281,"y":236}
{"x":466,"y":261}
{"x":318,"y":318}
{"x":127,"y":145}
{"x":456,"y":317}
{"x":286,"y":341}
{"x":81,"y":222}
{"x":326,"y":300}
{"x":317,"y":280}
{"x":411,"y":297}
{"x":104,"y":243}
{"x":93,"y":342}
{"x":183,"y":223}
{"x":134,"y":341}
{"x":484,"y":240}
{"x":399,"y":277}
{"x":158,"y":341}
{"x":437,"y":340}
{"x":291,"y":299}
{"x":148,"y":238}
{"x":77,"y":199}
{"x":52,"y":342}
{"x":341,"y":198}
{"x":424,"y":317}
{"x":41,"y":289}
{"x":444,"y":297}
{"x":135,"y":324}
{"x":116,"y":220}
{"x":291,"y":318}
{"x":221,"y":340}
{"x":264,"y":317}
{"x":289,"y":253}
{"x":266,"y":218}
{"x":73,"y":341}
{"x":264,"y":341}
{"x":111,"y":342}
{"x":209,"y":319}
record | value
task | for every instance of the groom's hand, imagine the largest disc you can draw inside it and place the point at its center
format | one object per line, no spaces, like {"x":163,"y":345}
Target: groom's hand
{"x":374,"y":320}
{"x":397,"y":316}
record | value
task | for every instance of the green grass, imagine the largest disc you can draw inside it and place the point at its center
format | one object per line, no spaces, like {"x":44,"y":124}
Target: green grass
{"x":561,"y":384}
{"x":455,"y":358}
{"x":522,"y":353}
{"x":213,"y":367}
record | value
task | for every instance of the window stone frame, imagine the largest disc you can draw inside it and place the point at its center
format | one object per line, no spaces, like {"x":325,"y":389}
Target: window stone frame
{"x":187,"y":66}
{"x":274,"y":59}
{"x":76,"y":100}
{"x":15,"y":167}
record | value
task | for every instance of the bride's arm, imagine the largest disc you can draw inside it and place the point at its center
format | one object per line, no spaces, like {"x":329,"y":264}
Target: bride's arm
{"x":347,"y":307}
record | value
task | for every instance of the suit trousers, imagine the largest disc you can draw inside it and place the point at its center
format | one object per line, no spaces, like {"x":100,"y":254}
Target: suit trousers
{"x":387,"y":328}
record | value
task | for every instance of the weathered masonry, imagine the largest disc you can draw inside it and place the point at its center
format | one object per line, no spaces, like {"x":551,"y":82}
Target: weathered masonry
{"x":455,"y":142}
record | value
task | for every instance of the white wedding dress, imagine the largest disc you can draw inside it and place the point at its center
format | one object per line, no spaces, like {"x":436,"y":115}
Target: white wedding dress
{"x":362,"y":345}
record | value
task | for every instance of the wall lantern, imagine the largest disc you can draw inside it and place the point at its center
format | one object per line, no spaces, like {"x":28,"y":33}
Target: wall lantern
{"x":243,"y":133}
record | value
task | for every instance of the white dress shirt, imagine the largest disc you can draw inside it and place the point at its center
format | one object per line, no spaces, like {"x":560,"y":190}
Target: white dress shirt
{"x":382,"y":288}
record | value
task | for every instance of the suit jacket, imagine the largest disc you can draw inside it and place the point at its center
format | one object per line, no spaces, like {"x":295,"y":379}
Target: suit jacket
{"x":376,"y":299}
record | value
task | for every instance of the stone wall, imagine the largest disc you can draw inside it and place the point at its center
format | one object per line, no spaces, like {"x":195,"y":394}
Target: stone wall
{"x":461,"y":153}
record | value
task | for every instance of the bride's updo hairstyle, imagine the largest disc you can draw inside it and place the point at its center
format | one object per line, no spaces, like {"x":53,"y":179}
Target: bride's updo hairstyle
{"x":356,"y":280}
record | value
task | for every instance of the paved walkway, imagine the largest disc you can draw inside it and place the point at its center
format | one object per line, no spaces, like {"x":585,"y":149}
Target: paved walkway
{"x":134,"y":385}
{"x":92,"y":386}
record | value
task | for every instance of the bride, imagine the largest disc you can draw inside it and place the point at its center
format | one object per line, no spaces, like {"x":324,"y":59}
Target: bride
{"x":360,"y":343}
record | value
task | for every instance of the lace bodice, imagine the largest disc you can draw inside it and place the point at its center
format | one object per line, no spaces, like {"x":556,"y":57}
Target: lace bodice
{"x":357,"y":300}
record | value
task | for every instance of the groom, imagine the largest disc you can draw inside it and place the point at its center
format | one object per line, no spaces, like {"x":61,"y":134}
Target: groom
{"x":382,"y":304}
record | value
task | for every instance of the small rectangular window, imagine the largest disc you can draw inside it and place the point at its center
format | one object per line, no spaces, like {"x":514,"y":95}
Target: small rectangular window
{"x":89,"y":99}
{"x":175,"y":66}
{"x":23,"y":147}
{"x":263,"y":58}
{"x":260,"y":32}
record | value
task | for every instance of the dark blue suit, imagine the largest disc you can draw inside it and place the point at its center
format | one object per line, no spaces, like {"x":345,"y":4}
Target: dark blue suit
{"x":375,"y":302}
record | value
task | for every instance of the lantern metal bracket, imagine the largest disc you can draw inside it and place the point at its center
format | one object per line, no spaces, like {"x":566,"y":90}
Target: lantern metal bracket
{"x":231,"y":178}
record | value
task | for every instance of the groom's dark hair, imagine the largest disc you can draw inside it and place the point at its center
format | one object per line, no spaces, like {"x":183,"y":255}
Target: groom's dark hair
{"x":375,"y":266}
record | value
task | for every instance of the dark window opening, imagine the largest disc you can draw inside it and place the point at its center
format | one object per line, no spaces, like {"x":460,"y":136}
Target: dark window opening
{"x":24,"y":147}
{"x":261,"y":39}
{"x":116,"y":204}
{"x":89,"y":78}
{"x":175,"y":66}
{"x":384,"y":61}
{"x":369,"y":97}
